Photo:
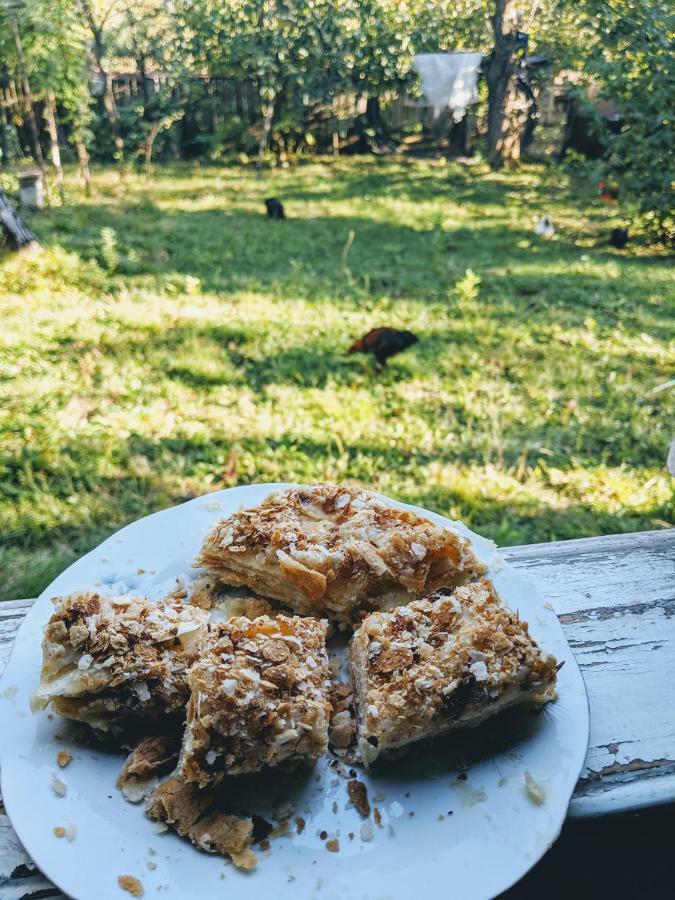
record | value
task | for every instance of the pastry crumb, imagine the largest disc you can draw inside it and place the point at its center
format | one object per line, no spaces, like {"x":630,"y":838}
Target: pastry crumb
{"x":63,"y":758}
{"x":333,"y":845}
{"x":284,"y":811}
{"x":185,"y":808}
{"x":358,"y":794}
{"x":245,"y":860}
{"x":299,"y":824}
{"x":377,"y":816}
{"x":130,"y":884}
{"x":281,"y":829}
{"x":535,"y":791}
{"x":59,"y":787}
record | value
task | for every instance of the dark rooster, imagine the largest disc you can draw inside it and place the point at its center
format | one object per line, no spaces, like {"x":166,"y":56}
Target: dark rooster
{"x":619,"y":238}
{"x":275,"y":209}
{"x":384,"y":343}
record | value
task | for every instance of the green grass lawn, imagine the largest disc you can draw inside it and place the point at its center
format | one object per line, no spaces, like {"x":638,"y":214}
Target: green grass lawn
{"x":170,"y":340}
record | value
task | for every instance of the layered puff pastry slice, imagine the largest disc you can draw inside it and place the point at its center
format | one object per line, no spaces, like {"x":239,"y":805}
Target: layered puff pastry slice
{"x":337,"y":551}
{"x":118,"y":663}
{"x":259,"y":698}
{"x":442,"y":663}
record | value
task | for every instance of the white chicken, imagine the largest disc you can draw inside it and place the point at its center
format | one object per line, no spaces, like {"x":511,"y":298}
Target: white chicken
{"x":544,"y":227}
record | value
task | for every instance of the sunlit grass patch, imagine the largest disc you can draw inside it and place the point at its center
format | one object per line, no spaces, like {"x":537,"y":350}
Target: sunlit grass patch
{"x":170,"y":340}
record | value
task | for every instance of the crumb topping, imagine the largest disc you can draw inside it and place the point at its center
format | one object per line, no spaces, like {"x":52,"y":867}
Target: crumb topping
{"x":334,"y":549}
{"x":439,"y":662}
{"x":110,"y":659}
{"x":259,"y":697}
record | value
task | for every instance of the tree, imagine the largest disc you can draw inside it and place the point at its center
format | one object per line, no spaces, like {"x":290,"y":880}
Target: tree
{"x":299,"y":54}
{"x":98,"y":14}
{"x":48,"y":56}
{"x":633,"y":60}
{"x":11,"y":12}
{"x":146,"y":34}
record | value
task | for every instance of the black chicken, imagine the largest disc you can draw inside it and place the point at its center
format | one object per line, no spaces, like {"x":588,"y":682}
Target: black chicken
{"x":275,"y":209}
{"x":384,"y":343}
{"x":619,"y":238}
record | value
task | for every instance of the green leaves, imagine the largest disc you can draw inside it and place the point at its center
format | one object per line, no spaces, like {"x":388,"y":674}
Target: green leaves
{"x":634,"y":63}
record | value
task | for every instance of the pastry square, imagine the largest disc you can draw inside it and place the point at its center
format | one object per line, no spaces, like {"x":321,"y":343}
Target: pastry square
{"x":118,"y":662}
{"x":337,"y":551}
{"x":442,"y":663}
{"x":259,"y":697}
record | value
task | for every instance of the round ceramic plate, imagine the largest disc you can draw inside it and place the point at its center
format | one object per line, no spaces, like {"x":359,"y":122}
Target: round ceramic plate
{"x":455,"y":818}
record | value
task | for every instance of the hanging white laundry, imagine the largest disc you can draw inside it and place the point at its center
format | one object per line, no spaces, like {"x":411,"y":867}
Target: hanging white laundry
{"x":448,"y":81}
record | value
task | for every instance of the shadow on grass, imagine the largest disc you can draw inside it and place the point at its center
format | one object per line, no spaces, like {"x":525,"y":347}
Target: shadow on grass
{"x":240,"y":251}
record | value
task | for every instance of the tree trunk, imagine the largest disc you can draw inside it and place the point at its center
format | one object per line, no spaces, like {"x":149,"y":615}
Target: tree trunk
{"x":144,"y":87}
{"x":110,"y":108}
{"x":49,"y":113}
{"x":27,"y":96}
{"x":267,"y":128}
{"x":515,"y":119}
{"x":150,"y":140}
{"x":4,"y":136}
{"x":18,"y":232}
{"x":500,"y":73}
{"x":85,"y":173}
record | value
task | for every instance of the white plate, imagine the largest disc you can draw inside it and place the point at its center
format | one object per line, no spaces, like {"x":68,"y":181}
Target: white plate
{"x":494,"y":835}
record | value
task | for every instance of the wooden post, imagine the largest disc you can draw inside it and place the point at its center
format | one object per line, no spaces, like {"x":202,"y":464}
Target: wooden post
{"x":16,"y":229}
